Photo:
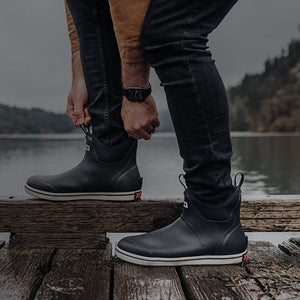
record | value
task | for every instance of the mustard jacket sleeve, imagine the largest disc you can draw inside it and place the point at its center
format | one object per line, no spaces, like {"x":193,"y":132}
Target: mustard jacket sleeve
{"x":128,"y":18}
{"x":72,"y":30}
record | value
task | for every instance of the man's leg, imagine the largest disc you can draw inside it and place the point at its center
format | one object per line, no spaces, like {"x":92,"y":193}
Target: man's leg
{"x":109,"y":170}
{"x":174,"y":37}
{"x":175,"y":41}
{"x":101,"y":66}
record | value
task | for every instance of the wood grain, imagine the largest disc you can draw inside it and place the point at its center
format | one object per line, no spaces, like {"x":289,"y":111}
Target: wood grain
{"x":214,"y":282}
{"x":133,"y":282}
{"x":22,"y":271}
{"x":58,"y":240}
{"x":85,"y":216}
{"x":2,"y":244}
{"x":277,"y":273}
{"x":271,"y":215}
{"x":291,"y":247}
{"x":78,"y":274}
{"x":93,"y":217}
{"x":269,"y":273}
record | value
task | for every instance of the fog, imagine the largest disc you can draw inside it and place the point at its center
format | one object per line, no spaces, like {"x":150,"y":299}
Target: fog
{"x":35,"y":53}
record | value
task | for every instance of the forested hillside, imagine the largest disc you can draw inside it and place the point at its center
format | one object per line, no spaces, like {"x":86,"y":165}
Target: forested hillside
{"x":269,"y":101}
{"x":21,"y":120}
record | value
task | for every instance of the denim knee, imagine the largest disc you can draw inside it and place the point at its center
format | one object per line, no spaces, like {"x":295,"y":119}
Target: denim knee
{"x":175,"y":46}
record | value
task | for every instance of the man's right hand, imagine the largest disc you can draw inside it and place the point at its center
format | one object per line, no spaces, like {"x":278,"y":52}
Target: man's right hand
{"x":78,"y":95}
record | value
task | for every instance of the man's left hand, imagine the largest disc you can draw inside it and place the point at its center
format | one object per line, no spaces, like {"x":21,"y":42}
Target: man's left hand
{"x":140,"y":118}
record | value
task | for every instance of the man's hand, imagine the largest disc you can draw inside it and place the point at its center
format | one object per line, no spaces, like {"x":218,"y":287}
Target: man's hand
{"x":140,"y":118}
{"x":78,"y":95}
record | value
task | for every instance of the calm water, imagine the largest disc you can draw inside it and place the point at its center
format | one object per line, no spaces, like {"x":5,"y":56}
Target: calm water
{"x":270,"y":162}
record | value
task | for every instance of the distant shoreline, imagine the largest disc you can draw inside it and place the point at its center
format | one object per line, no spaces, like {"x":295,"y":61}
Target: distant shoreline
{"x":79,"y":136}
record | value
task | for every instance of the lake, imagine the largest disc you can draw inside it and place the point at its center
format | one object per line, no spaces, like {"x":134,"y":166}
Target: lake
{"x":270,"y":162}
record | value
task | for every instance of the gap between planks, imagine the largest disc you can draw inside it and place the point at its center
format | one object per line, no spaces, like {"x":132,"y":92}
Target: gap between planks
{"x":268,"y":274}
{"x":259,"y":278}
{"x":22,"y":271}
{"x":78,"y":274}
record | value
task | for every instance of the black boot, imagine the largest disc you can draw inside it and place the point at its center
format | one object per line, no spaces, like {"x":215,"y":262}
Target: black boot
{"x":105,"y":173}
{"x":204,"y":234}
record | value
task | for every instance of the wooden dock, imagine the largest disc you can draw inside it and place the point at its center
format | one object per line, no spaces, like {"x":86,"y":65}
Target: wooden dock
{"x":60,"y":251}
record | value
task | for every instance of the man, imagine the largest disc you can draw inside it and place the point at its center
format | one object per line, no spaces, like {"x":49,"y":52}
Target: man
{"x":174,"y":40}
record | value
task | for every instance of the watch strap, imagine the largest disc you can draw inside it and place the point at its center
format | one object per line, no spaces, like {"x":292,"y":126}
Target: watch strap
{"x":137,"y":94}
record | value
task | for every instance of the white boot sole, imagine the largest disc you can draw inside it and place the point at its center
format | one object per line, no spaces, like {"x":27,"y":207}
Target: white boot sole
{"x":181,"y":261}
{"x":119,"y":196}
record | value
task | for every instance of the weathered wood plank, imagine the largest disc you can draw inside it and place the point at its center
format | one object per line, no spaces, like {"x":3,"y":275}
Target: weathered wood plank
{"x":291,"y":247}
{"x":92,"y":217}
{"x":271,"y":225}
{"x":138,"y":282}
{"x":58,"y":240}
{"x":37,"y":216}
{"x":277,"y":273}
{"x":22,"y":271}
{"x":271,"y":215}
{"x":78,"y":274}
{"x":218,"y":282}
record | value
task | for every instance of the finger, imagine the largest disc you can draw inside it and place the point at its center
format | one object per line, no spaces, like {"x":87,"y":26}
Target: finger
{"x":149,"y":128}
{"x":74,"y":120}
{"x":144,"y":134}
{"x":156,"y":122}
{"x":70,"y":111}
{"x":135,"y":136}
{"x":87,"y":117}
{"x":70,"y":107}
{"x":78,"y":113}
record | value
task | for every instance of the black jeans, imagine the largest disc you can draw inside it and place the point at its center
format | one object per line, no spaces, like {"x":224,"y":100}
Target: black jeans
{"x":101,"y":67}
{"x":174,"y":37}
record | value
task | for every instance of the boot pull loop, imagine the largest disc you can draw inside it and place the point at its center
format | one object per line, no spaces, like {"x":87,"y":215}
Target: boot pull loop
{"x":241,"y":179}
{"x":86,"y":129}
{"x":180,"y":180}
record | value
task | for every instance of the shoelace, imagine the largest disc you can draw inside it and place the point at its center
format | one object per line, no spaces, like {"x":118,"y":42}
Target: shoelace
{"x":86,"y":129}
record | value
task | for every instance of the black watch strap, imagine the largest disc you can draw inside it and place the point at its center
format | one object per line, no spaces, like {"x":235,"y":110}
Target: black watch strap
{"x":136,"y":94}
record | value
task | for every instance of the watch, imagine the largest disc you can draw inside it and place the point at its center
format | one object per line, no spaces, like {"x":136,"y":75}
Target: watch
{"x":136,"y":94}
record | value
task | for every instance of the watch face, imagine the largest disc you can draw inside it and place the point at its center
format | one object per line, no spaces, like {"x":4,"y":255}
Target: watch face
{"x":135,"y":94}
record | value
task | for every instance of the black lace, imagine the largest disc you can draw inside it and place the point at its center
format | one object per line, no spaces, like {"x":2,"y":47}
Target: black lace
{"x":86,"y":129}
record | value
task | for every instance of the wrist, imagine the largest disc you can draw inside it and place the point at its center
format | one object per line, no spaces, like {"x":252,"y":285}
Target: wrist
{"x":77,"y":72}
{"x":137,"y":94}
{"x":135,"y":75}
{"x":75,"y":56}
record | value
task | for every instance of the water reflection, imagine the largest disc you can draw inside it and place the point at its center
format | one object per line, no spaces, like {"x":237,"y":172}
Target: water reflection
{"x":271,"y":163}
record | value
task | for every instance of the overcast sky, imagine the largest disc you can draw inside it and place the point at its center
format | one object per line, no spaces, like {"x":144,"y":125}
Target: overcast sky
{"x":35,"y":53}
